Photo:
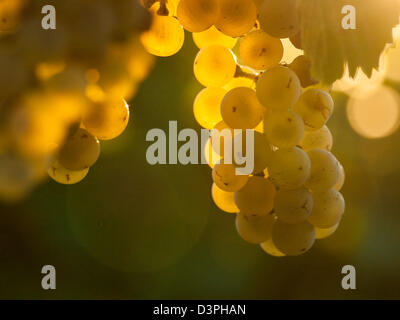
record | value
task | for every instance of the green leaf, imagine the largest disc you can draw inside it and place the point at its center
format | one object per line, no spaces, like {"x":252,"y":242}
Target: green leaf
{"x":331,"y":47}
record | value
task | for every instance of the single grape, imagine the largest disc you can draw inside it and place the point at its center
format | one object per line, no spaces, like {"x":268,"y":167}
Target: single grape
{"x":328,"y":209}
{"x":80,"y":151}
{"x":223,"y":135}
{"x":317,"y":139}
{"x":211,"y":157}
{"x":260,"y":51}
{"x":302,"y":67}
{"x":284,"y":129}
{"x":293,"y":206}
{"x":254,"y":229}
{"x":323,"y":233}
{"x":207,"y":107}
{"x":213,"y":36}
{"x":197,"y":15}
{"x":289,"y":168}
{"x":224,"y":200}
{"x":324,"y":172}
{"x":270,"y":248}
{"x":64,"y":176}
{"x":241,"y":109}
{"x":315,"y":106}
{"x":278,"y":88}
{"x":214,"y":66}
{"x":293,"y":239}
{"x":225,"y":177}
{"x":342,"y":177}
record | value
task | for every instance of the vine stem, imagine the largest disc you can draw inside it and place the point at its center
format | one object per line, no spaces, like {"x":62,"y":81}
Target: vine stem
{"x":240,"y":73}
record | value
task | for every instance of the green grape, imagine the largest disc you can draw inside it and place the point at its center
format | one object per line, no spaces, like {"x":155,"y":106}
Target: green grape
{"x":214,"y":66}
{"x":278,"y":88}
{"x":236,"y":17}
{"x":260,"y":51}
{"x":342,"y":177}
{"x":207,"y":107}
{"x":197,"y":15}
{"x":315,"y":107}
{"x":284,"y":129}
{"x":64,"y":176}
{"x":317,"y":139}
{"x":289,"y":168}
{"x":279,"y":18}
{"x":107,"y":119}
{"x":323,"y":233}
{"x":302,"y":67}
{"x":80,"y":151}
{"x":164,"y":38}
{"x":241,"y":109}
{"x":328,"y":209}
{"x":224,"y":200}
{"x":256,"y":198}
{"x":293,"y":206}
{"x":254,"y":229}
{"x":293,"y":239}
{"x":225,"y":177}
{"x":270,"y":248}
{"x":324,"y":172}
{"x":213,"y":36}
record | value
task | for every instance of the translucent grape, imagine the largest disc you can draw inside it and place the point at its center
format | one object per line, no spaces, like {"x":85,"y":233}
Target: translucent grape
{"x":236,"y":17}
{"x":293,"y":239}
{"x":293,"y":206}
{"x":225,"y":177}
{"x":324,"y":172}
{"x":323,"y":233}
{"x":284,"y":129}
{"x":342,"y":177}
{"x":289,"y":168}
{"x":214,"y":66}
{"x":80,"y":151}
{"x":328,"y":209}
{"x":302,"y":67}
{"x":315,"y":107}
{"x":197,"y":15}
{"x":211,"y":157}
{"x":213,"y":36}
{"x":224,"y":200}
{"x":223,"y":134}
{"x":107,"y":119}
{"x":270,"y":248}
{"x":279,"y":18}
{"x":64,"y":176}
{"x":278,"y":88}
{"x":254,"y":229}
{"x":207,"y":107}
{"x":165,"y":37}
{"x":260,"y":51}
{"x":241,"y":109}
{"x":317,"y":139}
{"x":256,"y":198}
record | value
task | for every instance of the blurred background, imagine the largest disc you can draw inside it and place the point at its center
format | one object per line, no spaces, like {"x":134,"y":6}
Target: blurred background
{"x":134,"y":231}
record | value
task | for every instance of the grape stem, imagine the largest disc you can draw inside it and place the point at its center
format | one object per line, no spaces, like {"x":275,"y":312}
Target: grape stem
{"x":163,"y":11}
{"x":240,"y":73}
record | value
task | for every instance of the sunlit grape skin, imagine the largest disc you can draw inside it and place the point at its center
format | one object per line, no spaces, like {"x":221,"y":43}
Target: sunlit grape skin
{"x":225,"y":177}
{"x":197,"y":15}
{"x":270,"y":248}
{"x":328,"y":209}
{"x":254,"y":229}
{"x":224,"y":200}
{"x":64,"y":176}
{"x":317,"y":139}
{"x":323,"y":233}
{"x":293,"y":206}
{"x":207,"y":107}
{"x":213,"y":36}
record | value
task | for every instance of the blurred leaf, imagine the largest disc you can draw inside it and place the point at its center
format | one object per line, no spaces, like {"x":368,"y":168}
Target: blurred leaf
{"x":331,"y":47}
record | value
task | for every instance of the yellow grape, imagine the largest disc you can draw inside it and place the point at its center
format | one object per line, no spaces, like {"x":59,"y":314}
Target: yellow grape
{"x":279,"y":18}
{"x":270,"y":248}
{"x":164,"y":38}
{"x":210,"y":155}
{"x":323,"y":233}
{"x":256,"y":198}
{"x":214,"y":66}
{"x":236,"y":17}
{"x":324,"y":172}
{"x":284,"y":129}
{"x":241,"y":109}
{"x":80,"y":151}
{"x":223,"y":134}
{"x":260,"y":51}
{"x":197,"y":15}
{"x":255,"y":229}
{"x":64,"y":176}
{"x":315,"y":106}
{"x":302,"y":67}
{"x":342,"y":177}
{"x":107,"y":119}
{"x":293,"y":206}
{"x":207,"y":107}
{"x":293,"y":239}
{"x":328,"y":209}
{"x":224,"y":200}
{"x":213,"y":36}
{"x":289,"y":168}
{"x":317,"y":139}
{"x":278,"y":88}
{"x":225,"y":177}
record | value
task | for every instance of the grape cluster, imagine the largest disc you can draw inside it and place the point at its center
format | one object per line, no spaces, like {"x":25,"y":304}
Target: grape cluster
{"x":292,"y":196}
{"x":62,"y":90}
